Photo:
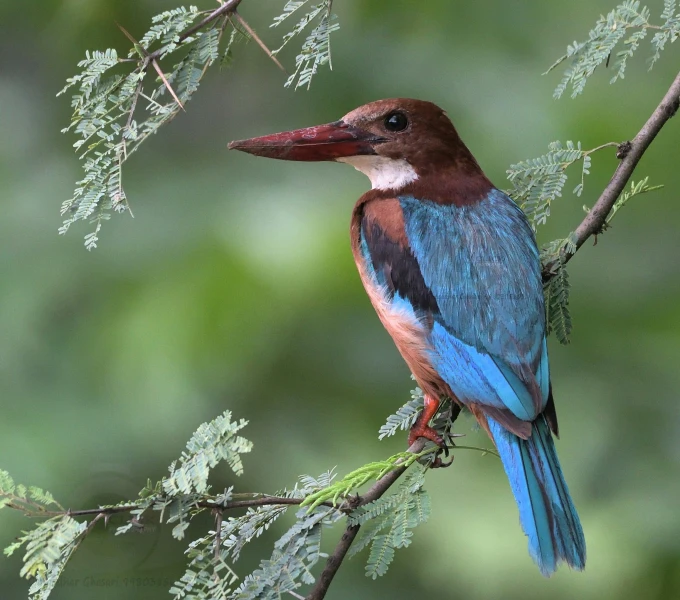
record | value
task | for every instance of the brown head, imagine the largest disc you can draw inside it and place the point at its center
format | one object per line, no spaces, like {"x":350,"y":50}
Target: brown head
{"x":402,"y":145}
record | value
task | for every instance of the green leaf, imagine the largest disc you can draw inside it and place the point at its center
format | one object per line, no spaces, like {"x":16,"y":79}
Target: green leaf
{"x":212,"y":443}
{"x":315,"y":50}
{"x":387,"y":523}
{"x":339,"y":491}
{"x":556,"y":292}
{"x":537,"y":182}
{"x":405,"y":416}
{"x":48,"y":548}
{"x":294,"y":556}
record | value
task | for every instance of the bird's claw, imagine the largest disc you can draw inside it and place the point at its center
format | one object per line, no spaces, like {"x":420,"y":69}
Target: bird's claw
{"x":427,"y":432}
{"x":437,"y":462}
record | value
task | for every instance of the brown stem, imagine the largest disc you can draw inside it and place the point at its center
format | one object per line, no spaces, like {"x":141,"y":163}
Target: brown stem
{"x":219,"y":515}
{"x":261,"y":501}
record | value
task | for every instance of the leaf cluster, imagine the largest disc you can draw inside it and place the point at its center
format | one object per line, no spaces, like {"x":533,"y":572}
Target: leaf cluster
{"x":185,"y":492}
{"x":340,"y":491}
{"x":405,"y":416}
{"x":537,"y":182}
{"x":636,"y":189}
{"x":627,"y":25}
{"x":316,"y":49}
{"x":388,"y":522}
{"x":556,"y":289}
{"x":119,"y":101}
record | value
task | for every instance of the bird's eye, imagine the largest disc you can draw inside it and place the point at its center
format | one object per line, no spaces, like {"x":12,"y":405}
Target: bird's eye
{"x":396,"y":121}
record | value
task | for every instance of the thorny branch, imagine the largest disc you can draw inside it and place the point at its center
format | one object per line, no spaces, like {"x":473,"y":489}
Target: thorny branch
{"x":630,"y":154}
{"x":258,"y":500}
{"x":227,"y":9}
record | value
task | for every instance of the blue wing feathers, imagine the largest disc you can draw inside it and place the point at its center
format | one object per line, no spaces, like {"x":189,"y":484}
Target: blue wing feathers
{"x":475,"y":377}
{"x":481,"y":264}
{"x":465,"y":255}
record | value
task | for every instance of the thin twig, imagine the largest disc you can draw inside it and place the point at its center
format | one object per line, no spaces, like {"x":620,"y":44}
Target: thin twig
{"x":601,"y":147}
{"x":597,"y":217}
{"x":111,"y":510}
{"x":156,"y":66}
{"x":219,"y":515}
{"x":93,"y":522}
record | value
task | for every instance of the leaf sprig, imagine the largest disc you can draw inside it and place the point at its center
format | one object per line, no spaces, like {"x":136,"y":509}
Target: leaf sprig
{"x":627,"y":24}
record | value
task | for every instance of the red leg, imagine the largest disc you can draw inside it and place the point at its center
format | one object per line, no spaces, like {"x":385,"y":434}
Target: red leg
{"x":421,"y":428}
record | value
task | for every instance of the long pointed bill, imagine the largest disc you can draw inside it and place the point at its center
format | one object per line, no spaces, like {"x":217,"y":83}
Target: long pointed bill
{"x":323,"y":142}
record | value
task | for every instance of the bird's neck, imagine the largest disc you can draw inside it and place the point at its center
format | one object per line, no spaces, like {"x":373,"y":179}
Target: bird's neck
{"x":459,"y":185}
{"x":447,"y":175}
{"x":385,"y":173}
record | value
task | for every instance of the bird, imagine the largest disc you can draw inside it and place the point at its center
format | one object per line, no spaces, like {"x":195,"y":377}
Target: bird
{"x":451,"y":265}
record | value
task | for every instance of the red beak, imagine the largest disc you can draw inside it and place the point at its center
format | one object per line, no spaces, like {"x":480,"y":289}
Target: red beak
{"x":323,"y":142}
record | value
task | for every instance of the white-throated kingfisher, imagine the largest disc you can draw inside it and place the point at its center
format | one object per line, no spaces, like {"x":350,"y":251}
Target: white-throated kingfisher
{"x":451,"y":266}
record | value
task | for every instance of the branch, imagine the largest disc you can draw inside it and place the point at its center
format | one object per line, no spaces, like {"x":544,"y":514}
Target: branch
{"x":630,"y":155}
{"x":227,"y":8}
{"x":112,"y":510}
{"x":335,"y":560}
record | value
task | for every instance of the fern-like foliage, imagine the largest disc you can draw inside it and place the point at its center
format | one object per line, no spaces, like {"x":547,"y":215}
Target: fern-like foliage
{"x":208,"y":574}
{"x":114,"y":113}
{"x":120,"y":100}
{"x":537,"y":182}
{"x":405,"y":416}
{"x":669,"y":32}
{"x":316,"y":50}
{"x":47,"y":550}
{"x":211,"y":443}
{"x":556,"y":289}
{"x":340,"y":490}
{"x":31,"y":500}
{"x":627,"y":25}
{"x":387,"y":523}
{"x":636,"y":189}
{"x":556,"y":293}
{"x":295,"y":554}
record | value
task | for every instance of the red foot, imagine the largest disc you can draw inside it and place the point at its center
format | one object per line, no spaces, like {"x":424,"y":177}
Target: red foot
{"x":422,"y":429}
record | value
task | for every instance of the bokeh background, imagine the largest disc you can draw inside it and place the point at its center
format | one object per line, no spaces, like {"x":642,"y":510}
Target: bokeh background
{"x":234,"y":287}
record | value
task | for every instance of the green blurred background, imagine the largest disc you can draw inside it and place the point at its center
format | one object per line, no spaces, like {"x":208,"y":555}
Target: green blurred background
{"x":234,"y":287}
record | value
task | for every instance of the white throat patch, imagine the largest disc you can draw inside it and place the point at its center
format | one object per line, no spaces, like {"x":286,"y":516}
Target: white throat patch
{"x":384,"y":173}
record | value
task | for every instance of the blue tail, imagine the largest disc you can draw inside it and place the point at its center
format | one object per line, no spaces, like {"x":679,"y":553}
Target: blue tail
{"x":546,"y":512}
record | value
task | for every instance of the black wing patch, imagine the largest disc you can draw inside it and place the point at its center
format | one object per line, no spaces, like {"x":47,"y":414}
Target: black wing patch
{"x":397,"y":268}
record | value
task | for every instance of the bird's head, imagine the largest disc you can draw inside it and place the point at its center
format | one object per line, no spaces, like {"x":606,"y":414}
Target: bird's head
{"x":394,"y":142}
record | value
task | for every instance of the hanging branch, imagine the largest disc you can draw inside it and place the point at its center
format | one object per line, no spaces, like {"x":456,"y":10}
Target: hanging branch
{"x":112,"y":121}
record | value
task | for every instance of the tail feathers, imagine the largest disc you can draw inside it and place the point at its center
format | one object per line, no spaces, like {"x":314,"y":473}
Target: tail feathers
{"x":546,"y":512}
